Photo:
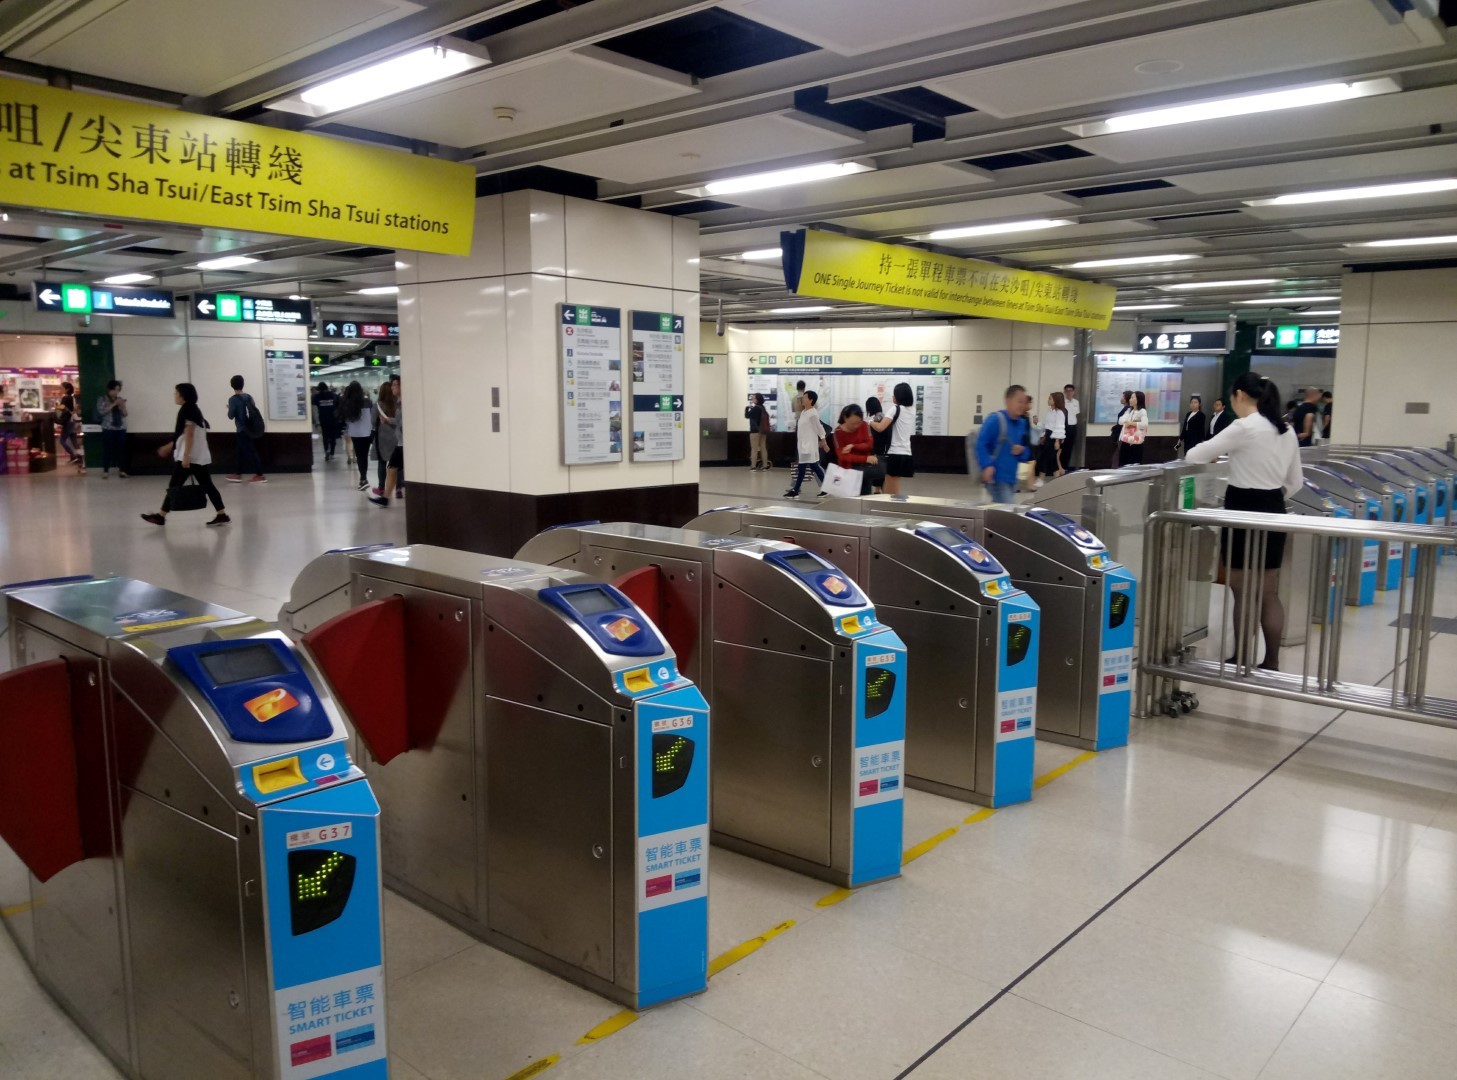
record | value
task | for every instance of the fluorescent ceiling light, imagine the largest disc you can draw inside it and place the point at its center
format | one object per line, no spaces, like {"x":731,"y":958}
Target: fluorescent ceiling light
{"x":1127,"y":260}
{"x":1240,"y":105}
{"x":804,"y":174}
{"x":227,"y":262}
{"x":799,"y":310}
{"x":1001,"y":227}
{"x":1326,"y":311}
{"x":762,"y":253}
{"x":1222,"y":284}
{"x":1405,"y":241}
{"x":126,"y":279}
{"x":1372,"y":191}
{"x":408,"y":71}
{"x":296,"y":296}
{"x":1286,"y":301}
{"x":1143,"y":307}
{"x":379,"y":290}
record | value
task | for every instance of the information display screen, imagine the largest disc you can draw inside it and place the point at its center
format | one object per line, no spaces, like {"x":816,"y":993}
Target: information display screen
{"x":672,"y":762}
{"x":319,"y":884}
{"x":803,"y":563}
{"x":879,"y":690}
{"x":592,"y":601}
{"x":948,"y":537}
{"x":227,"y":666}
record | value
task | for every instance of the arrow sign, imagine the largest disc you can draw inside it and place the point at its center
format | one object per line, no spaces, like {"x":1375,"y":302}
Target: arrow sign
{"x":207,"y":307}
{"x":332,"y":329}
{"x":677,"y":404}
{"x":1267,"y":338}
{"x":49,"y":296}
{"x":1145,"y":341}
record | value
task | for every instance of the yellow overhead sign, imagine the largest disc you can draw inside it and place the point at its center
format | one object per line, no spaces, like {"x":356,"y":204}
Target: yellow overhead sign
{"x":65,"y":150}
{"x":835,"y":267}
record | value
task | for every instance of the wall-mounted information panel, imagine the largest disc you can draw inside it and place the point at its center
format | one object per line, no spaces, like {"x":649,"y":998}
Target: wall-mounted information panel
{"x":838,"y":387}
{"x":658,"y":386}
{"x":591,"y":366}
{"x":1161,"y":379}
{"x":288,"y":384}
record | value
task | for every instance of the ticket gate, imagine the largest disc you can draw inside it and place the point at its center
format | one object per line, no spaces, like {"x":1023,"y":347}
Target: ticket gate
{"x":542,"y":763}
{"x":1419,"y":502}
{"x":807,"y":686}
{"x":1423,"y":472}
{"x":972,"y":636}
{"x":1085,"y":651}
{"x":204,"y":858}
{"x":1391,"y":556}
{"x":1361,"y":504}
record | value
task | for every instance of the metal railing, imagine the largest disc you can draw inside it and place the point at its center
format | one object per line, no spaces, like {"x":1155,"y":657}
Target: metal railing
{"x":1171,"y":541}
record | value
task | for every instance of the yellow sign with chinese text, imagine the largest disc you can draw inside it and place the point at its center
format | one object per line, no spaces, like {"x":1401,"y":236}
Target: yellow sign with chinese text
{"x":835,"y":267}
{"x":65,"y":150}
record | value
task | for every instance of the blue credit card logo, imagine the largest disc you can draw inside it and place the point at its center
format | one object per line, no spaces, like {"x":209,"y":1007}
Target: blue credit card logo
{"x":889,"y":783}
{"x":1123,"y":679}
{"x":1024,"y":723}
{"x":688,"y":879}
{"x":354,"y":1039}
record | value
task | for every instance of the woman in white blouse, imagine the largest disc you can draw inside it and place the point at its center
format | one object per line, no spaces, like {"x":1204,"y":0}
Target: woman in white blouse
{"x":1264,"y":469}
{"x":1054,"y":431}
{"x":1135,"y":430}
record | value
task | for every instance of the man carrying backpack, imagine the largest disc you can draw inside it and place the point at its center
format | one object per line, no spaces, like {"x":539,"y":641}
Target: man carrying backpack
{"x":248,"y":422}
{"x":1003,"y":443}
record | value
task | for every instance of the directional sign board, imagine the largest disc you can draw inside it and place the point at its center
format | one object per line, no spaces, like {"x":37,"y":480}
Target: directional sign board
{"x":379,"y":330}
{"x":338,"y":328}
{"x":79,"y":299}
{"x":241,"y":307}
{"x":1311,"y":336}
{"x":657,"y":386}
{"x":1184,"y":338}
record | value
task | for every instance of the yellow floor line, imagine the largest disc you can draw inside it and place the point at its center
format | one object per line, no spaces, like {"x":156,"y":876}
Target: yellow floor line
{"x":924,"y":846}
{"x":609,"y":1027}
{"x":831,"y":899}
{"x":747,"y":948}
{"x":15,"y":909}
{"x":536,"y":1068}
{"x":1066,"y":767}
{"x":981,"y":815}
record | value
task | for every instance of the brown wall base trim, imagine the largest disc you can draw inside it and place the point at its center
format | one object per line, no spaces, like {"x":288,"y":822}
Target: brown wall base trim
{"x":500,"y":522}
{"x":282,"y":452}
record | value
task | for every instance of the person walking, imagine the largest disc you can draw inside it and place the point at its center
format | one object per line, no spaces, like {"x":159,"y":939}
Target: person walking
{"x":243,"y":412}
{"x":66,"y":419}
{"x":1306,"y":418}
{"x":758,"y":417}
{"x":1074,"y":408}
{"x":191,"y":455}
{"x":358,"y":417}
{"x":386,"y":436}
{"x":111,"y":411}
{"x":899,"y":464}
{"x":1195,"y":428}
{"x":855,"y":446}
{"x":1221,"y":419}
{"x":395,"y":465}
{"x":1326,"y":401}
{"x":1135,"y":431}
{"x":327,"y":403}
{"x":1054,"y":438}
{"x":810,"y":442}
{"x":1264,"y":470}
{"x":1002,"y":444}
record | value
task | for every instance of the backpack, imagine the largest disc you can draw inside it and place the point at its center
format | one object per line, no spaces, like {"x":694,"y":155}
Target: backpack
{"x":252,"y":418}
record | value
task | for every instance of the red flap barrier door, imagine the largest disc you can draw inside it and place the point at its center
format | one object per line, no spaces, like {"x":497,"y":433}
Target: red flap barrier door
{"x":362,"y":652}
{"x":647,"y":588}
{"x":40,"y":815}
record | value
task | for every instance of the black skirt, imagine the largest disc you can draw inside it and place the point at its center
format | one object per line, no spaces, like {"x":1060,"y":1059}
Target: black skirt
{"x":1232,"y":541}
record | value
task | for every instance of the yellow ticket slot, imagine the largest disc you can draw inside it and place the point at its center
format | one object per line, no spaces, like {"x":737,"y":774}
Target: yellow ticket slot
{"x":277,"y":775}
{"x":638,"y":681}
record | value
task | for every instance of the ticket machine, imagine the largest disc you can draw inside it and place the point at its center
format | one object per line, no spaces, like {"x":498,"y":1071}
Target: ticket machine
{"x":1391,"y":556}
{"x":973,"y":637}
{"x":1362,"y":504}
{"x":541,"y":760}
{"x":204,"y":856}
{"x":1084,"y":695}
{"x":807,"y":686}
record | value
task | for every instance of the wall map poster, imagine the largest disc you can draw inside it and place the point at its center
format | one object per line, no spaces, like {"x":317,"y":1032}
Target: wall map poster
{"x":657,"y":386}
{"x":1158,"y":377}
{"x":838,"y":387}
{"x":288,"y":383}
{"x":591,"y":365}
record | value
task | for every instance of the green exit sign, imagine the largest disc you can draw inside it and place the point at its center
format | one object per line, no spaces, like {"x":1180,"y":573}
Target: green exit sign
{"x":1287,"y":337}
{"x":76,"y":299}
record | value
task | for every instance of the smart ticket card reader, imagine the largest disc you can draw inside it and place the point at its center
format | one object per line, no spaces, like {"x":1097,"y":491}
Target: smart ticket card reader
{"x":807,"y":686}
{"x":204,"y":855}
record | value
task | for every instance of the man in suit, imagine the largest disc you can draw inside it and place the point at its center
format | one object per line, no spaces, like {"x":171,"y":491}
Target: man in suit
{"x":1195,"y":428}
{"x":1221,"y":419}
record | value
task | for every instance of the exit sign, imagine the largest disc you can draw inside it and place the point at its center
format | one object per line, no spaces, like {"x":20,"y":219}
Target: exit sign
{"x":1327,"y":336}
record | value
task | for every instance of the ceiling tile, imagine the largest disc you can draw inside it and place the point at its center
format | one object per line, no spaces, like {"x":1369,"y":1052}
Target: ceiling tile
{"x":1441,"y":201}
{"x":1377,"y":230}
{"x":1320,"y":172}
{"x":964,"y":213}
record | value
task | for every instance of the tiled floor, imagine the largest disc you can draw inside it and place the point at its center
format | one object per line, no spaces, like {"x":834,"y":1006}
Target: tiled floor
{"x":1303,"y":933}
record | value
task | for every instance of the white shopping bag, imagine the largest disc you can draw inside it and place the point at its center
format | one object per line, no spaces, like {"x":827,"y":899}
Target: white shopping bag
{"x":841,"y":481}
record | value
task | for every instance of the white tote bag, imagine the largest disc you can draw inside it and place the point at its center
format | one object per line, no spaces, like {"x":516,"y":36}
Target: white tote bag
{"x":843,"y":482}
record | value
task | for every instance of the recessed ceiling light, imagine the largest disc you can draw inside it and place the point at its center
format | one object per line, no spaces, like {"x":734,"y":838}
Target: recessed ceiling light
{"x":1371,"y":191}
{"x":799,"y":310}
{"x":227,"y":262}
{"x":410,"y":70}
{"x":762,"y":253}
{"x":1127,"y":260}
{"x":1286,"y":301}
{"x":1143,"y":307}
{"x":1241,"y":283}
{"x":378,"y":290}
{"x":1405,"y":241}
{"x":1158,"y":67}
{"x":126,"y":279}
{"x":1239,"y":105}
{"x":1033,"y":225}
{"x":296,"y":296}
{"x":804,"y":174}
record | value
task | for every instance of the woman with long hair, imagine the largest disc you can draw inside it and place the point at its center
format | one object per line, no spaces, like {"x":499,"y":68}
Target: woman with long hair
{"x":1264,"y":469}
{"x":1135,"y":430}
{"x":358,"y":417}
{"x":386,"y":436}
{"x":190,"y":452}
{"x":1054,"y":432}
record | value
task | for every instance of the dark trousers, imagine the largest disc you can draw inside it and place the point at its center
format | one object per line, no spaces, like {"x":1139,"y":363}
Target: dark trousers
{"x":246,"y":456}
{"x":204,"y":480}
{"x":113,"y":449}
{"x":361,"y":456}
{"x":1068,"y":443}
{"x":1128,"y":454}
{"x":330,"y":432}
{"x":803,"y":467}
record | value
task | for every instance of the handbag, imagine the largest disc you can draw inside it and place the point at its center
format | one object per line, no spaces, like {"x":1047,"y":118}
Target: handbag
{"x":843,"y":482}
{"x":187,"y":495}
{"x":1132,"y":436}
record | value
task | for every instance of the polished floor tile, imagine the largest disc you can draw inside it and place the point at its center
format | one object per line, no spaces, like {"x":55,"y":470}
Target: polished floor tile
{"x":415,"y":938}
{"x":1345,"y":1036}
{"x":1405,"y":958}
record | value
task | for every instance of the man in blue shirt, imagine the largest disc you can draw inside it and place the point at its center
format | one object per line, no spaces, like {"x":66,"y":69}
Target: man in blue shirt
{"x":1003,"y":443}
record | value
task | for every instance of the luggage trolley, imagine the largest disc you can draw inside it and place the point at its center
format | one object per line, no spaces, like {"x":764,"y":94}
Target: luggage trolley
{"x":542,"y":763}
{"x":807,"y":686}
{"x":972,"y":636}
{"x":1089,"y":601}
{"x":204,"y":858}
